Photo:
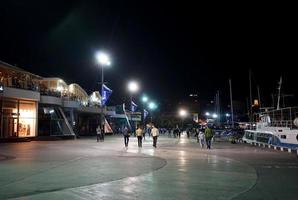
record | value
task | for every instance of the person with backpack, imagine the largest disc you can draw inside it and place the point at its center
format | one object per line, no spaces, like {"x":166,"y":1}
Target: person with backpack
{"x":208,"y":135}
{"x":126,"y":136}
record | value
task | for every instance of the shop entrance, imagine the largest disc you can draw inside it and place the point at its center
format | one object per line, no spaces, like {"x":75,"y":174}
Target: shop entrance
{"x":10,"y":127}
{"x":18,"y":118}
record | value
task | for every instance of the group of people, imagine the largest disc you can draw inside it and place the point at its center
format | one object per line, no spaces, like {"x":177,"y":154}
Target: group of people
{"x":140,"y":133}
{"x":205,"y":136}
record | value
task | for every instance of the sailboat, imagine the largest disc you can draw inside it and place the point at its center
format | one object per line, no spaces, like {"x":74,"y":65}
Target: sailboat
{"x":278,"y":127}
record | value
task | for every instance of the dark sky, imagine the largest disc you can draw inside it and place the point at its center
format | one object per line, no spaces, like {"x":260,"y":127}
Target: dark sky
{"x":173,"y":49}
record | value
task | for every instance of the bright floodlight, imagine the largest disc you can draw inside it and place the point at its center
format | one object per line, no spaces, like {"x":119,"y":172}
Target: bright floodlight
{"x":214,"y":115}
{"x":103,"y":58}
{"x":152,"y":105}
{"x":133,"y":86}
{"x":207,"y":113}
{"x":144,"y":99}
{"x":60,"y":88}
{"x":182,"y":112}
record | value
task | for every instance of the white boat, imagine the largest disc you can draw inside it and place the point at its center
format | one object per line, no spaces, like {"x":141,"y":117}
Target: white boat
{"x":276,"y":127}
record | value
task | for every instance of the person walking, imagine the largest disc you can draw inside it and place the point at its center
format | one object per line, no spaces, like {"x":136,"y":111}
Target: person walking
{"x":201,"y":139}
{"x":208,"y":135}
{"x":179,"y":132}
{"x":98,"y":133}
{"x":188,"y":133}
{"x":126,"y":136}
{"x":139,"y":133}
{"x":144,"y":132}
{"x":155,"y":133}
{"x":102,"y":135}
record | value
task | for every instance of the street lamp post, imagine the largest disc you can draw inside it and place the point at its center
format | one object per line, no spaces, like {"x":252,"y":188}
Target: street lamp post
{"x":152,"y":106}
{"x":183,"y":113}
{"x":103,"y":60}
{"x":144,"y":101}
{"x":227,"y":117}
{"x":133,"y":87}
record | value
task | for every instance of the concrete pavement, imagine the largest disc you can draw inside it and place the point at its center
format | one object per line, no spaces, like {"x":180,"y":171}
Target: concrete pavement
{"x":177,"y":169}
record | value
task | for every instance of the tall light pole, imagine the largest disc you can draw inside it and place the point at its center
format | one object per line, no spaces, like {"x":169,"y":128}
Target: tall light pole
{"x":183,"y":113}
{"x":152,"y":106}
{"x":144,"y":101}
{"x":227,"y":116}
{"x":103,"y":60}
{"x":133,"y":87}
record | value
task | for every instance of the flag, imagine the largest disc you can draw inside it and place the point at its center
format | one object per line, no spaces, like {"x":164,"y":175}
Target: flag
{"x":105,"y":94}
{"x":133,"y":106}
{"x":145,"y":113}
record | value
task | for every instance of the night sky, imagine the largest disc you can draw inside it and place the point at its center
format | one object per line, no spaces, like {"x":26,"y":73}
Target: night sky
{"x":173,"y":49}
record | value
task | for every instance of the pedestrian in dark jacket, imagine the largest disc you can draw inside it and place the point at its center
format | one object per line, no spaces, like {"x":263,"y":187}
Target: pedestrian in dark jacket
{"x":126,"y":135}
{"x":98,"y":133}
{"x":208,"y":136}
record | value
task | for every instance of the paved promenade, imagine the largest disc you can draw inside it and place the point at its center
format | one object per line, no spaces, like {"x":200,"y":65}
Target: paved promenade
{"x":176,"y":169}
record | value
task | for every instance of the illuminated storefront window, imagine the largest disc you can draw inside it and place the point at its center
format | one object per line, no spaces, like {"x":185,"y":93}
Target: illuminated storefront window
{"x":18,"y":118}
{"x":27,"y":119}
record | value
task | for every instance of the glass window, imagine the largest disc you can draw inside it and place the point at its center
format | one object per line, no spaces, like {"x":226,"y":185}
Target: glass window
{"x":27,"y":118}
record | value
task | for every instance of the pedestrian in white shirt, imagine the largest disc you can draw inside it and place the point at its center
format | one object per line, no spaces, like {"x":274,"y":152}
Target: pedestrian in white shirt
{"x":201,"y":137}
{"x":139,"y":133}
{"x":155,"y":133}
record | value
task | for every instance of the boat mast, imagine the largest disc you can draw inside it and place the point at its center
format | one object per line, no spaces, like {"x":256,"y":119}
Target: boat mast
{"x":250,"y":98}
{"x":278,"y":97}
{"x":259,"y":97}
{"x":231,"y":98}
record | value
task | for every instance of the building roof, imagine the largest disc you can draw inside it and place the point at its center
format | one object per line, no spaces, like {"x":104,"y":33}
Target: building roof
{"x":11,"y":67}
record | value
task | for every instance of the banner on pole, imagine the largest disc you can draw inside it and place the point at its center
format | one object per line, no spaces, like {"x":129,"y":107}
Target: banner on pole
{"x":105,"y":94}
{"x":133,"y":106}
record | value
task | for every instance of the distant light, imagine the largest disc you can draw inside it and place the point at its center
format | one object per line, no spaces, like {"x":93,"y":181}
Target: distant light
{"x":144,"y":99}
{"x":227,"y":115}
{"x":133,"y":86}
{"x":71,"y":88}
{"x":103,"y":58}
{"x":51,"y":111}
{"x":207,"y":113}
{"x":60,"y":88}
{"x":214,"y":115}
{"x":182,"y":112}
{"x":94,"y":98}
{"x":152,"y":106}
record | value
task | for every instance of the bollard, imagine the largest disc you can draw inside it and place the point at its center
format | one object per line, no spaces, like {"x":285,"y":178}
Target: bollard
{"x":281,"y":148}
{"x":275,"y":148}
{"x":290,"y":150}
